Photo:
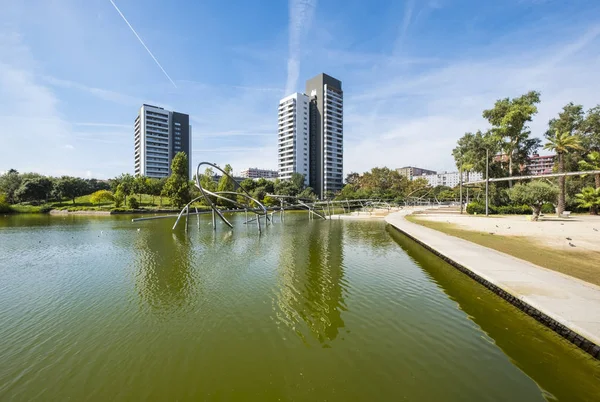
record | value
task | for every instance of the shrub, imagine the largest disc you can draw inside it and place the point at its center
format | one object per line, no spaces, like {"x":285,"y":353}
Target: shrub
{"x":102,"y":196}
{"x":4,"y":207}
{"x":515,"y":210}
{"x":45,"y":209}
{"x":479,"y":208}
{"x":548,"y":208}
{"x":119,"y":197}
{"x":133,"y":203}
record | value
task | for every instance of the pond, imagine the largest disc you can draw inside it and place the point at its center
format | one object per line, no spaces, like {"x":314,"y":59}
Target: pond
{"x":100,"y":308}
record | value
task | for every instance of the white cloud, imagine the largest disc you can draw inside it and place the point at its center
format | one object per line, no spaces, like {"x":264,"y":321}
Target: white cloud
{"x":301,"y":15}
{"x":69,"y":146}
{"x":416,"y":118}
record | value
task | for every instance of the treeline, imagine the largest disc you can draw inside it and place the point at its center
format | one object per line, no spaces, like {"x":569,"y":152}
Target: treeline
{"x":36,"y":188}
{"x":128,"y":190}
{"x":383,"y":183}
{"x":507,"y":145}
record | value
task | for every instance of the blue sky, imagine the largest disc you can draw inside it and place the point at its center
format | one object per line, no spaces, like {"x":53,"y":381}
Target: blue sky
{"x":416,"y":74}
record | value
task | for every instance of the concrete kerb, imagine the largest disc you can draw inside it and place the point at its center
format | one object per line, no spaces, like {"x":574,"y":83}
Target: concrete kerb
{"x":585,"y":340}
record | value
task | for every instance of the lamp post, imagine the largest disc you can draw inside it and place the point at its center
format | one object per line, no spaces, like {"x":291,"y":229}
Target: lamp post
{"x":487,"y":181}
{"x":460,"y":184}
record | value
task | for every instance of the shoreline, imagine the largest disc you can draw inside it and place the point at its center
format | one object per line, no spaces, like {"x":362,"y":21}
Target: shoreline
{"x":568,"y":306}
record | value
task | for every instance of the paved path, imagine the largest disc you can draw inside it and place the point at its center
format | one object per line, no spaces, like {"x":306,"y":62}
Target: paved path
{"x":569,"y":301}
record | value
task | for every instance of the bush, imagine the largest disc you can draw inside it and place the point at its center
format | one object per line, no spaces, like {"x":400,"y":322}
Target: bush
{"x":478,"y":208}
{"x":515,"y":210}
{"x":45,"y":209}
{"x":548,"y":208}
{"x":102,"y":196}
{"x":4,"y":207}
{"x":133,"y":203}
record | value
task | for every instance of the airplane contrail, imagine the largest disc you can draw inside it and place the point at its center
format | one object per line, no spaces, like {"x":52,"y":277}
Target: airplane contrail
{"x":141,"y":41}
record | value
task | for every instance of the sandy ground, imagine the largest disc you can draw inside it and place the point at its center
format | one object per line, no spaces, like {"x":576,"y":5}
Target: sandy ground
{"x":550,"y":231}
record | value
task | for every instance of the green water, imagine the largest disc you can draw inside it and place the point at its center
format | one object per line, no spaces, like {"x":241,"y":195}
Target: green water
{"x":93,"y":309}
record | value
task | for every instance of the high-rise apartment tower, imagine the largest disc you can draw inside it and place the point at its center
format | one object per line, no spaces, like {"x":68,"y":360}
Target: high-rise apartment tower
{"x":293,"y":142}
{"x":326,"y":134}
{"x":159,"y":135}
{"x":311,"y":135}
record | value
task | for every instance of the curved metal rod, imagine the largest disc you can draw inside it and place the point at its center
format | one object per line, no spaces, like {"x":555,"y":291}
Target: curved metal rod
{"x":183,"y":210}
{"x":209,"y":201}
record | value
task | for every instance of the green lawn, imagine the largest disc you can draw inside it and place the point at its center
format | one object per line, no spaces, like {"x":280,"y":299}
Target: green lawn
{"x":584,"y":265}
{"x":83,"y":203}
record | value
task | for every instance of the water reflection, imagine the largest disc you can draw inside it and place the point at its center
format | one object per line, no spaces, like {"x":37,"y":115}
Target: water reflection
{"x":369,"y":234}
{"x":545,"y":357}
{"x":163,"y":269}
{"x":310,"y":291}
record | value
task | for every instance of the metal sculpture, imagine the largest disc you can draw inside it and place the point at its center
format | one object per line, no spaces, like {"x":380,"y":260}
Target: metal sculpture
{"x":260,"y":210}
{"x":320,"y":209}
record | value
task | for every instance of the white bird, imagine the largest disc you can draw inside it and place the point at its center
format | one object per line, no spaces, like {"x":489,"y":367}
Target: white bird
{"x":138,"y":229}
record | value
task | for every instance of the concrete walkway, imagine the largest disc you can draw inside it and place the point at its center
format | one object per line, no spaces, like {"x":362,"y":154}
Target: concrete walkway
{"x":568,"y":305}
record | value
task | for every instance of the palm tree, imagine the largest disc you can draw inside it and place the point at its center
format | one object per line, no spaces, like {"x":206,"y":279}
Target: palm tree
{"x":562,"y":143}
{"x":592,"y":163}
{"x":589,"y":198}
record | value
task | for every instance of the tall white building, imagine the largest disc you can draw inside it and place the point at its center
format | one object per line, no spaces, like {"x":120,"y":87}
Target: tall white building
{"x":293,"y":154}
{"x":159,"y":135}
{"x":450,"y":179}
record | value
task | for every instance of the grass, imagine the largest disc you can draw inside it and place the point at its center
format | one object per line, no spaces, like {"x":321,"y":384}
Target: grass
{"x":584,"y":265}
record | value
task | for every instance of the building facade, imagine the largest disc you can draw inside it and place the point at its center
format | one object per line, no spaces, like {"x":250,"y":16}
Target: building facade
{"x":311,"y":135}
{"x":293,"y":153}
{"x":538,"y":165}
{"x":255,"y":173}
{"x":159,"y":135}
{"x":411,"y":172}
{"x":326,"y":134}
{"x":451,"y":179}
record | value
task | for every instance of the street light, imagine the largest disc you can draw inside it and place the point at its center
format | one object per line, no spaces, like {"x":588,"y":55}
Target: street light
{"x":487,"y":181}
{"x":460,"y":183}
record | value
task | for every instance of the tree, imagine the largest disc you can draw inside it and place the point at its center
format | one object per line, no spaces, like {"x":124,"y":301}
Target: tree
{"x":562,"y":143}
{"x":308,"y":193}
{"x":126,"y":182}
{"x":4,"y":207}
{"x":297,"y":180}
{"x":534,"y":194}
{"x":248,"y":184}
{"x":140,"y":186}
{"x":352,"y":178}
{"x":471,"y":151}
{"x":592,"y":162}
{"x":119,"y":196}
{"x":177,"y":186}
{"x":9,"y":184}
{"x":154,"y":188}
{"x":133,"y":203}
{"x":508,"y":118}
{"x":590,"y":129}
{"x":226,"y":184}
{"x":102,"y":196}
{"x":34,"y":189}
{"x":70,"y":187}
{"x":569,"y":120}
{"x":589,"y":198}
{"x":96,"y":185}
